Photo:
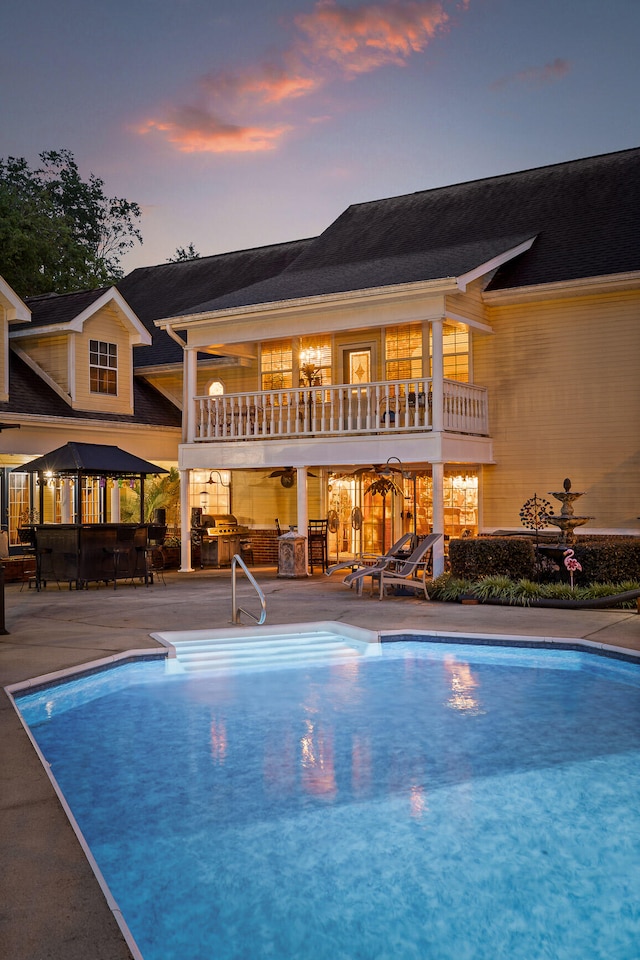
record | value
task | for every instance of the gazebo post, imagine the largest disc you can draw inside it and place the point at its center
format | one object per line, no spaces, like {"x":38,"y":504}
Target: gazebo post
{"x":79,"y":498}
{"x":41,"y":496}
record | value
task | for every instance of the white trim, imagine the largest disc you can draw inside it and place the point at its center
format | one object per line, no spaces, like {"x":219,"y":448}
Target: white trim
{"x":418,"y":288}
{"x":493,"y":264}
{"x":140,"y":336}
{"x":17,"y":310}
{"x":71,"y":360}
{"x":475,"y":324}
{"x":582,"y":286}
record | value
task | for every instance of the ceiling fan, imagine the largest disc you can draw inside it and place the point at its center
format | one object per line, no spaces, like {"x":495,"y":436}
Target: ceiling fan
{"x":287,"y":476}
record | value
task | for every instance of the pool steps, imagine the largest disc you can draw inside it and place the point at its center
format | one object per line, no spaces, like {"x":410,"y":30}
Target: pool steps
{"x":255,"y":652}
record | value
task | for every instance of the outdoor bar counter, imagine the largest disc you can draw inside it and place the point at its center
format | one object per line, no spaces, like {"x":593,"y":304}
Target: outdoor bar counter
{"x":80,"y":553}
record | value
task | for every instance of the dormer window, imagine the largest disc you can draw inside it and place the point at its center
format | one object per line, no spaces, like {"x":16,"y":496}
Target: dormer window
{"x":103,"y":367}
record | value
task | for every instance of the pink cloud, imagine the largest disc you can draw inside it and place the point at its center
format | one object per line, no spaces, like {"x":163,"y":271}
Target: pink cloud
{"x":536,"y":75}
{"x":361,"y":39}
{"x":333,"y":42}
{"x":193,"y":130}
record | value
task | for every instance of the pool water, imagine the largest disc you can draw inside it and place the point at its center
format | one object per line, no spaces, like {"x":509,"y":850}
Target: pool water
{"x":440,"y":801}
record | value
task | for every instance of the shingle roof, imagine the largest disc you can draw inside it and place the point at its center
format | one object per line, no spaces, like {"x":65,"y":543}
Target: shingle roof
{"x":29,"y":394}
{"x":585,"y":215}
{"x":52,"y":308}
{"x":172,"y":289}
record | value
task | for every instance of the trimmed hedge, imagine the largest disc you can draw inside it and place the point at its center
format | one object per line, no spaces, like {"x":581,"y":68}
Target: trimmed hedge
{"x":603,"y":559}
{"x":608,"y":559}
{"x":474,"y":558}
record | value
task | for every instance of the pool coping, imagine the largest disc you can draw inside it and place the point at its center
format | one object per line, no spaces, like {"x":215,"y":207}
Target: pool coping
{"x":167,"y":649}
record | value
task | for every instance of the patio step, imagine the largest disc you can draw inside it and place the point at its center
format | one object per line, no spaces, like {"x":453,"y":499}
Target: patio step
{"x":251,"y":653}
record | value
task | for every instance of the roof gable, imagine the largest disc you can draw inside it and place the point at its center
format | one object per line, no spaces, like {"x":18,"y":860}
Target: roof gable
{"x":68,"y":313}
{"x":17,"y":310}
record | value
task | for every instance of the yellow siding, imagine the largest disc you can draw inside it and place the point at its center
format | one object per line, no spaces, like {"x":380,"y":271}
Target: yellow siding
{"x":469,"y":304}
{"x":52,"y":355}
{"x":256,"y":495}
{"x":106,"y":326}
{"x":564,"y":402}
{"x":235,"y":378}
{"x":168,"y":384}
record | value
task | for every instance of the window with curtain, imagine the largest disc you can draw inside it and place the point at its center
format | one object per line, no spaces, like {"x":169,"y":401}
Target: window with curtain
{"x":315,"y":357}
{"x":455,"y":350}
{"x":403,"y":351}
{"x":276,"y":365}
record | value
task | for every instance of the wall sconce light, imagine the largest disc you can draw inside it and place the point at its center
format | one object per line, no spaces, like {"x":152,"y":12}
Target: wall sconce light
{"x":219,"y":480}
{"x":204,"y":494}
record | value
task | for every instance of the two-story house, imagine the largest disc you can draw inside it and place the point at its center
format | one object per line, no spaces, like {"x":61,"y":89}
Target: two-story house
{"x":431,"y":361}
{"x":67,"y":373}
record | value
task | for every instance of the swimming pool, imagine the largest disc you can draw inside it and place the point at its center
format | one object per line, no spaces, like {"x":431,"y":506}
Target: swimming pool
{"x":437,"y":800}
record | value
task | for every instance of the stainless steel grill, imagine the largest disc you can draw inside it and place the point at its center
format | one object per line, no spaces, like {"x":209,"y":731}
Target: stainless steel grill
{"x":219,"y":536}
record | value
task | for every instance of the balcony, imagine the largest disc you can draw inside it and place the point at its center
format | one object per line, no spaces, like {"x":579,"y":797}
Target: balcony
{"x":389,"y":407}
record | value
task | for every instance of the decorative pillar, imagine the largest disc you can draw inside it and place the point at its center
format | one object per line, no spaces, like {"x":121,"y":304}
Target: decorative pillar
{"x":303,"y":508}
{"x":437,"y":377}
{"x":190,"y":389}
{"x":437,"y":474}
{"x":185,"y":523}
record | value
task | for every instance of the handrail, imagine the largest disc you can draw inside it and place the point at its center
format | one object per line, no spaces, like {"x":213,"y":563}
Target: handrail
{"x":235,"y":609}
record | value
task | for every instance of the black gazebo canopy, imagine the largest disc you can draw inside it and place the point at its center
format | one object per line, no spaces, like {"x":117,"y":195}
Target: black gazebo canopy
{"x":80,"y":460}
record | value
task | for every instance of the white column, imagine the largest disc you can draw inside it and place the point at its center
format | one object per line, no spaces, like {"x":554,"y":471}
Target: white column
{"x":185,"y":523}
{"x":437,"y":375}
{"x":189,"y":391}
{"x":65,"y":501}
{"x":437,"y":473}
{"x":115,"y":502}
{"x":303,"y":508}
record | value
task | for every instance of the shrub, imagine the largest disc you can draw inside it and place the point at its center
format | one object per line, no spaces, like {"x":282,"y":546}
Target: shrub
{"x":612,"y":559}
{"x":512,"y":557}
{"x":523,"y":592}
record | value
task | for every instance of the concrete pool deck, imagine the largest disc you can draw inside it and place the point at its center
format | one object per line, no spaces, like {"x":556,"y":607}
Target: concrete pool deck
{"x":51,"y":906}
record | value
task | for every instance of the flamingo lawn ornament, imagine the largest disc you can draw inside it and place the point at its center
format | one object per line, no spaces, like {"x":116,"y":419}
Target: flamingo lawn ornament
{"x":571,"y":564}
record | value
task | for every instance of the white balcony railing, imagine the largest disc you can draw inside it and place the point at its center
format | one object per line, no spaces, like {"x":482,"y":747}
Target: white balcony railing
{"x":393,"y":406}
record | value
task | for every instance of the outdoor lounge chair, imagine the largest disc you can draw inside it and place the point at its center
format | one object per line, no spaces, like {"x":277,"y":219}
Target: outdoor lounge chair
{"x":411,"y":572}
{"x":367,"y":560}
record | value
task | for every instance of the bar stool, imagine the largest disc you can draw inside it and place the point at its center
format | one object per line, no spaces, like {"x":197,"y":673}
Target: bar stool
{"x":317,"y":543}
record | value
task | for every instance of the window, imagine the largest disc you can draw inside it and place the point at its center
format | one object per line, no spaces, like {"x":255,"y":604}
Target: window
{"x":403,"y":352}
{"x":276,"y":365}
{"x":455,"y":351}
{"x":103,"y":367}
{"x":314,"y":363}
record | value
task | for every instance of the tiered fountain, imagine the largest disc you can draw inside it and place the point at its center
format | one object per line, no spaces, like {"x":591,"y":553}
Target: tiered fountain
{"x":566,"y":520}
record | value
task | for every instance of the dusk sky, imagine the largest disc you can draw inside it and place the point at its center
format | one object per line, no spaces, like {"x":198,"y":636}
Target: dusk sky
{"x":237,"y":123}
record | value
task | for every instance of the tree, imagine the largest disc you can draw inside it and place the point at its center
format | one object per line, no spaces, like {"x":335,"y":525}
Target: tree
{"x":184,"y":253}
{"x":58,"y":232}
